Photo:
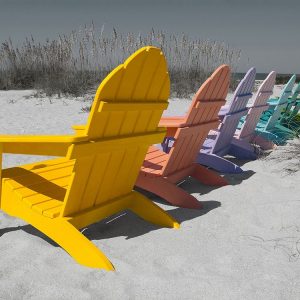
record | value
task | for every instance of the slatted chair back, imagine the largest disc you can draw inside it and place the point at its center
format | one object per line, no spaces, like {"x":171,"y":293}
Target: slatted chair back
{"x":201,"y":118}
{"x":122,"y":124}
{"x":282,"y":102}
{"x":293,"y":102}
{"x":258,"y":106}
{"x":236,"y":110}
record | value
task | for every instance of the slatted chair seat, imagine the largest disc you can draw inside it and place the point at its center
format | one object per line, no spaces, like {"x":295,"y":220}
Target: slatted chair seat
{"x":162,"y":171}
{"x":41,"y":186}
{"x":154,"y":161}
{"x":95,"y":177}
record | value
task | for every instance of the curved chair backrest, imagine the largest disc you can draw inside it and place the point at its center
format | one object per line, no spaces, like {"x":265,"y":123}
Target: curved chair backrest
{"x":296,"y":92}
{"x":293,"y":102}
{"x":296,"y":102}
{"x":236,"y":110}
{"x":201,"y":118}
{"x":122,"y":124}
{"x":258,"y":106}
{"x":283,"y":100}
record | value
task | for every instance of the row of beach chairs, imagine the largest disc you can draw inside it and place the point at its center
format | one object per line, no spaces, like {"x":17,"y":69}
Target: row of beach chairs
{"x":118,"y":149}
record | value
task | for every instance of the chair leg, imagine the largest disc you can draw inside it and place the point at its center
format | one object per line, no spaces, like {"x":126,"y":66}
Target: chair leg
{"x":168,"y":191}
{"x":78,"y":246}
{"x":264,"y":143}
{"x":151,"y":212}
{"x":64,"y":234}
{"x":267,"y":139}
{"x":208,"y":177}
{"x":242,"y":149}
{"x":218,"y":163}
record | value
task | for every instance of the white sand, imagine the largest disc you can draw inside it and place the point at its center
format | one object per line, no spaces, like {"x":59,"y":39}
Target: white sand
{"x":245,"y":244}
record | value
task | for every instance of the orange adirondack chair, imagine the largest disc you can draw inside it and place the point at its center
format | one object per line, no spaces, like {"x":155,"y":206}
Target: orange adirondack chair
{"x":161,"y":171}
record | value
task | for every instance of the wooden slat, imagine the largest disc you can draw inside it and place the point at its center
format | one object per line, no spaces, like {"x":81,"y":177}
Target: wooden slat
{"x":154,"y":120}
{"x":210,"y":103}
{"x":99,"y":168}
{"x":24,"y":178}
{"x":231,"y":120}
{"x":135,"y":168}
{"x":130,"y":77}
{"x":79,"y":180}
{"x":133,"y":106}
{"x":258,"y":106}
{"x":115,"y":123}
{"x":38,"y":198}
{"x":283,"y":99}
{"x":52,"y":212}
{"x":52,"y":189}
{"x":143,"y":121}
{"x":129,"y":123}
{"x":110,"y":177}
{"x":106,"y":145}
{"x":44,"y":206}
{"x":152,"y":77}
{"x":122,"y":187}
{"x":97,"y":125}
{"x":216,"y":84}
{"x":160,"y":87}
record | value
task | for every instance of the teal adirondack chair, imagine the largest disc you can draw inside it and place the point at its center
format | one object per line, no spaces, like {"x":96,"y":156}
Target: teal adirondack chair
{"x":269,"y":131}
{"x":289,"y":110}
{"x":296,"y":97}
{"x":288,"y":118}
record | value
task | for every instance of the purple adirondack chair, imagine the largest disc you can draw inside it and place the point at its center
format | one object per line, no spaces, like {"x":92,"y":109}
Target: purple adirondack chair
{"x":241,"y":144}
{"x":218,"y":143}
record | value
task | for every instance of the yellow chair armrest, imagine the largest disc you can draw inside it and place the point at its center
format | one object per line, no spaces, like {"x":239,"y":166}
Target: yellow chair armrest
{"x":78,"y":129}
{"x":38,"y":145}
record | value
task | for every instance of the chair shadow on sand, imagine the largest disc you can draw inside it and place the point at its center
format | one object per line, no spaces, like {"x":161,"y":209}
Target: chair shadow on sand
{"x":130,"y":225}
{"x":193,"y":186}
{"x":234,"y":179}
{"x":126,"y":224}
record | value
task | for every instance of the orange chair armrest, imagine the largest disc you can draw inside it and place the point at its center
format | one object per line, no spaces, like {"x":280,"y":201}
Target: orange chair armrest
{"x":171,"y":121}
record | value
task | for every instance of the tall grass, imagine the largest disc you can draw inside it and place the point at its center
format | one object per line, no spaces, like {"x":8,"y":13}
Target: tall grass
{"x":77,"y":62}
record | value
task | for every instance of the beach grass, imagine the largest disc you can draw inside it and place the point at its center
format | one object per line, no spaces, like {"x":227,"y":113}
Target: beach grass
{"x":75,"y":63}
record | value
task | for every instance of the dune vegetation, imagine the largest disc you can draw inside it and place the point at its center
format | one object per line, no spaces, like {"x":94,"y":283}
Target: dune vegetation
{"x":75,"y":63}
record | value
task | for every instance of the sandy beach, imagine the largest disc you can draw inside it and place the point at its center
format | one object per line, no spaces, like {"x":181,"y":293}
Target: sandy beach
{"x":244,"y":244}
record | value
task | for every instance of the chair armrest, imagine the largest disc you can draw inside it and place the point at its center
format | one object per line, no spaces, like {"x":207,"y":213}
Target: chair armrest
{"x":224,"y":110}
{"x":171,"y":121}
{"x":38,"y":145}
{"x":78,"y":129}
{"x":171,"y":124}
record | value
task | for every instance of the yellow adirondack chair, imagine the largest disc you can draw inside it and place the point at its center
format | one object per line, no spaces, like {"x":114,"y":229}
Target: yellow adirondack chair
{"x":95,"y":178}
